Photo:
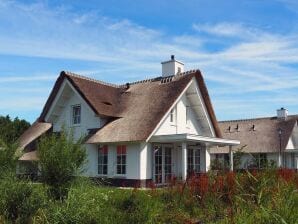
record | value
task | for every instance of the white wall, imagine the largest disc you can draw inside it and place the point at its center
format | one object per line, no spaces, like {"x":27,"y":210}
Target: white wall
{"x":146,"y":161}
{"x":180,"y":125}
{"x":133,"y":155}
{"x":89,"y":119}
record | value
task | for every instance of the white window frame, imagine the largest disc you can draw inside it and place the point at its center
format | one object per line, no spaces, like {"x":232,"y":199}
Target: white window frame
{"x":257,"y":158}
{"x":193,"y":151}
{"x":73,"y":116}
{"x":173,"y":115}
{"x":101,"y":162}
{"x":122,"y":162}
{"x":187,"y":115}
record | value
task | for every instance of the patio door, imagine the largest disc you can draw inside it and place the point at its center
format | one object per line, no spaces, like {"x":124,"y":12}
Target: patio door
{"x":193,"y":160}
{"x":163,"y":163}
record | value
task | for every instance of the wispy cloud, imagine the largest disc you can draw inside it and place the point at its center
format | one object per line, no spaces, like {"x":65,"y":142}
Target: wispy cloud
{"x":28,"y":78}
{"x":248,"y":60}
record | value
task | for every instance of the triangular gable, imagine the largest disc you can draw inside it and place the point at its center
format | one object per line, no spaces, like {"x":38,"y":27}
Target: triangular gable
{"x":100,"y":97}
{"x":66,"y":97}
{"x":189,"y":115}
{"x":293,"y":140}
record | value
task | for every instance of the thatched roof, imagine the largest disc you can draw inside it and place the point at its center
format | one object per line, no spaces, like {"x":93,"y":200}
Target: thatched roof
{"x":29,"y":156}
{"x":258,"y":135}
{"x":35,"y":131}
{"x":134,"y":109}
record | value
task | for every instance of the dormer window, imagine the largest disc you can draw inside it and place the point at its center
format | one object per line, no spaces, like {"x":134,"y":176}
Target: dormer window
{"x":76,"y":114}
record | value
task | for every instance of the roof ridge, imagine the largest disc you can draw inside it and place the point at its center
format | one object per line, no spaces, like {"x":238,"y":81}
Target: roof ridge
{"x":91,"y":79}
{"x":246,"y":119}
{"x":162,"y":79}
{"x":257,"y":118}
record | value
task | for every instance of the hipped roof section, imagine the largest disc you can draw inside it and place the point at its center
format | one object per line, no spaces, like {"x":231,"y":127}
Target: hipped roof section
{"x":136,"y":108}
{"x":258,"y":135}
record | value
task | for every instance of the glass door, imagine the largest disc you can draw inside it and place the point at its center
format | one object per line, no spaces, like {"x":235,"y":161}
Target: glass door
{"x":163,"y":167}
{"x":193,"y":160}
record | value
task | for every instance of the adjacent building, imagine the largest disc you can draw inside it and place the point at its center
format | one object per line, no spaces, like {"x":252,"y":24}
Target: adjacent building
{"x":264,"y":141}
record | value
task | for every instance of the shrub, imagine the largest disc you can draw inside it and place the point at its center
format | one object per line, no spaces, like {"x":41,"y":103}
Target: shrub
{"x":7,"y":158}
{"x":19,"y":199}
{"x":61,"y":159}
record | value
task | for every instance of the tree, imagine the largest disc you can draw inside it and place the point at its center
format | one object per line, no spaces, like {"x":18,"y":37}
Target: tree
{"x":11,"y":130}
{"x":60,"y":159}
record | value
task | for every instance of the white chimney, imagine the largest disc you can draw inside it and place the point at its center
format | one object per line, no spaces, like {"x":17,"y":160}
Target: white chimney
{"x":282,"y":114}
{"x":172,"y":67}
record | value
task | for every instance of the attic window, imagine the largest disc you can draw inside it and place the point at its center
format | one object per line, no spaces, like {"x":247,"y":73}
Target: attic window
{"x":172,"y":116}
{"x":76,"y":114}
{"x":107,"y":103}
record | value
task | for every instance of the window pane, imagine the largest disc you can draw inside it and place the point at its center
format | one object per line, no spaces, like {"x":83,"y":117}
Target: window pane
{"x":118,"y":169}
{"x":105,"y":169}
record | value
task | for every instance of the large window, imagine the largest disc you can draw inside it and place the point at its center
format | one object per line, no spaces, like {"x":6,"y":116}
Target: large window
{"x":260,"y":160}
{"x":76,"y":114}
{"x":121,"y":159}
{"x":103,"y":160}
{"x":193,"y":161}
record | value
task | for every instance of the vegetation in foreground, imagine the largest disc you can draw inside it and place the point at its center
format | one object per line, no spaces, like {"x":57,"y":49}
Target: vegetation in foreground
{"x":269,"y":196}
{"x":258,"y":197}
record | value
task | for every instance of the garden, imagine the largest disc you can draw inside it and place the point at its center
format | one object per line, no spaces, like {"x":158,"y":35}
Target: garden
{"x":62,"y":196}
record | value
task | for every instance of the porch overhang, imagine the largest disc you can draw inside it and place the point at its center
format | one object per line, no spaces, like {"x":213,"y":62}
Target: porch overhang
{"x":210,"y":141}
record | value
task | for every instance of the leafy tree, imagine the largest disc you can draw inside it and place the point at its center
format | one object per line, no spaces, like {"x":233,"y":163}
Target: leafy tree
{"x":11,"y":130}
{"x":60,"y":158}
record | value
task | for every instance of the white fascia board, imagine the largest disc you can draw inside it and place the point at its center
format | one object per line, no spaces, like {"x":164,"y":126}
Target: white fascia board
{"x":204,"y":109}
{"x":65,"y":82}
{"x":194,"y":138}
{"x":167,"y":113}
{"x":55,"y":100}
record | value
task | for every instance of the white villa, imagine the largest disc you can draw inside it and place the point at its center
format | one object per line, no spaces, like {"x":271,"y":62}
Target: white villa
{"x":150,"y":130}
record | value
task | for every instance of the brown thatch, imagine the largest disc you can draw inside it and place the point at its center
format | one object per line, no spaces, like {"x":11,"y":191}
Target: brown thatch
{"x":32,"y":133}
{"x":258,"y":135}
{"x":29,"y":156}
{"x":135,"y":109}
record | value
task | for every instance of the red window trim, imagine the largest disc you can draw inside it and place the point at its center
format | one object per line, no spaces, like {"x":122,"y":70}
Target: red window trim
{"x":104,"y":149}
{"x":121,"y":149}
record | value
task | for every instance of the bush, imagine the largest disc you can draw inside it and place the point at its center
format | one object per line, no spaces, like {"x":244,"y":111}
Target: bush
{"x":60,"y":159}
{"x":19,"y":199}
{"x":8,"y":158}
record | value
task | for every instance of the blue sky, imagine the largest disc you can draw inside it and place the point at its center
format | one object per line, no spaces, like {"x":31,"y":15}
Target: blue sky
{"x":246,"y":50}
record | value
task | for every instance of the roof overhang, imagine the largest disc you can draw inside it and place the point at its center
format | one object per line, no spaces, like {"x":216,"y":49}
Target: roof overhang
{"x":29,"y":156}
{"x":212,"y":141}
{"x":32,"y":133}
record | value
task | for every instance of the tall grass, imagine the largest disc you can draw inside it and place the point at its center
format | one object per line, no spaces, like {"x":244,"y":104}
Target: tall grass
{"x":268,"y":196}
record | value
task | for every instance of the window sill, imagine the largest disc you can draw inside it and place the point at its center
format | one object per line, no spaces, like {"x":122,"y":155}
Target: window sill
{"x":173,"y":124}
